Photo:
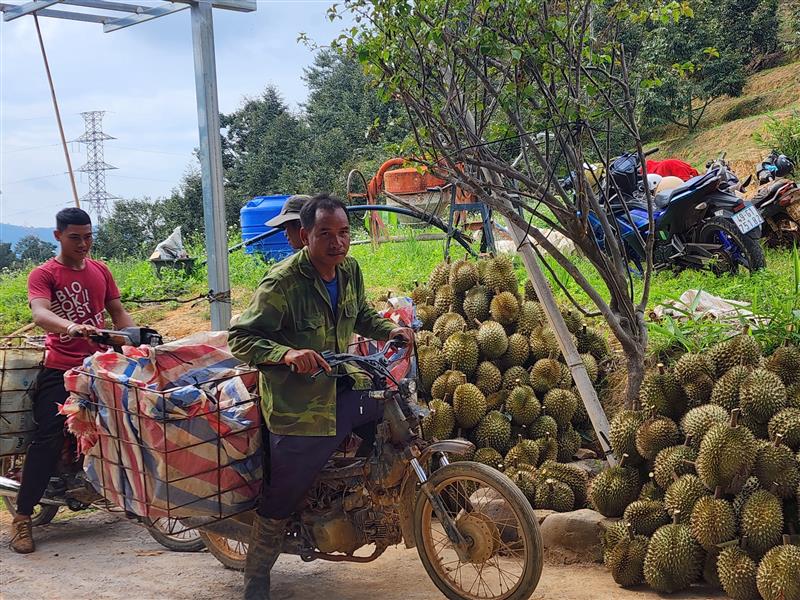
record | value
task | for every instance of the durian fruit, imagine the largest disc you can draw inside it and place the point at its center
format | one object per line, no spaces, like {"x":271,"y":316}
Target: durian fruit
{"x":463,"y":276}
{"x":530,"y":291}
{"x":713,"y":521}
{"x":492,"y":339}
{"x":560,"y":404}
{"x":469,"y":405}
{"x":737,"y":573}
{"x":793,"y":395}
{"x":476,"y":304}
{"x":674,"y":560}
{"x":778,"y":576}
{"x":499,"y":275}
{"x":488,"y":456}
{"x":580,"y":418}
{"x":517,"y":352}
{"x":655,"y":434}
{"x":785,"y":363}
{"x":504,"y":308}
{"x":439,"y":422}
{"x":421,"y":294}
{"x":515,"y":376}
{"x":651,"y":491}
{"x":575,"y":477}
{"x":682,"y":495}
{"x":427,"y":315}
{"x":461,"y":350}
{"x":488,"y":378}
{"x":710,"y":575}
{"x":439,"y":276}
{"x":543,"y":426}
{"x":762,"y":395}
{"x":569,"y":442}
{"x":662,"y":391}
{"x":572,"y":318}
{"x":726,"y":390}
{"x":761,"y":521}
{"x":727,"y":453}
{"x":494,"y":431}
{"x":699,"y":420}
{"x":548,"y":448}
{"x":543,"y":343}
{"x":741,"y":350}
{"x":691,"y":367}
{"x":592,"y":341}
{"x":545,"y":374}
{"x":592,"y":368}
{"x":645,"y":516}
{"x":786,"y":423}
{"x":625,"y":560}
{"x":524,"y":451}
{"x":430,"y":364}
{"x":524,"y":481}
{"x":622,"y":434}
{"x":676,"y":460}
{"x":448,"y":324}
{"x":776,"y":468}
{"x":614,"y":489}
{"x":427,"y":338}
{"x":552,"y":494}
{"x":443,"y":298}
{"x":446,"y":383}
{"x":531,"y":315}
{"x":522,"y":405}
{"x":613,"y":533}
{"x":750,"y":485}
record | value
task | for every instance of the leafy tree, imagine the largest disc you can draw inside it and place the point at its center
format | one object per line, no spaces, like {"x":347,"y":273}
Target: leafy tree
{"x":32,"y":249}
{"x":184,"y":206}
{"x":133,"y":229}
{"x":8,"y":260}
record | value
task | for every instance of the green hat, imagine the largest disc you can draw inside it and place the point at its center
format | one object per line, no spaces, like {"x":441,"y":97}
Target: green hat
{"x":289,"y":212}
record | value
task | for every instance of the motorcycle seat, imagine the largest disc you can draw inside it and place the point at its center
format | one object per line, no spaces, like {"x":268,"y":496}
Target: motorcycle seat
{"x":662,"y":199}
{"x":768,"y":191}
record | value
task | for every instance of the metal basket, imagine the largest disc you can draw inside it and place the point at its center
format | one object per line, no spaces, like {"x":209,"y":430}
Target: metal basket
{"x":171,"y":465}
{"x":21,"y":358}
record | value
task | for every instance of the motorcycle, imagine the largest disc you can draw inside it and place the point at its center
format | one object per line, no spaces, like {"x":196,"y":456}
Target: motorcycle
{"x":69,"y":488}
{"x":699,"y":224}
{"x":472,"y":527}
{"x":778,"y":201}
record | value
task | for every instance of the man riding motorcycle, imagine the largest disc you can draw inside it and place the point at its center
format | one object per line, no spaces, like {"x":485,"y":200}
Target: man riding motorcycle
{"x":68,"y":296}
{"x":310,"y":302}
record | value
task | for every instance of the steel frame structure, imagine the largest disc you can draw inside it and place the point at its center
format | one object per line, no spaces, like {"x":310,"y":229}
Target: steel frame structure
{"x":96,"y":166}
{"x":106,"y":12}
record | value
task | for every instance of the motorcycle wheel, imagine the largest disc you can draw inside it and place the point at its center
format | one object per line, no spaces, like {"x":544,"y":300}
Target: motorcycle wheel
{"x":504,"y":560}
{"x":173,"y":536}
{"x":744,"y":251}
{"x":42,"y":513}
{"x":230,"y":553}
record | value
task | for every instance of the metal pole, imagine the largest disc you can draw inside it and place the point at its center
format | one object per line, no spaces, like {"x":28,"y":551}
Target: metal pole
{"x":205,"y":77}
{"x":58,"y":113}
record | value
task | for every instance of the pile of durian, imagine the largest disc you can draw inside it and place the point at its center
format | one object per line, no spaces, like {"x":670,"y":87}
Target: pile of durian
{"x":492,"y":372}
{"x":709,"y":485}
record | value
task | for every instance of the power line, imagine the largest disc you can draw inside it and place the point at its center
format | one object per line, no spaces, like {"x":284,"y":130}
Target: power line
{"x":34,"y":178}
{"x":95,"y":166}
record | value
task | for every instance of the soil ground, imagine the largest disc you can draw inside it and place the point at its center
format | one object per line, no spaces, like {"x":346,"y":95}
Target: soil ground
{"x":103,"y":556}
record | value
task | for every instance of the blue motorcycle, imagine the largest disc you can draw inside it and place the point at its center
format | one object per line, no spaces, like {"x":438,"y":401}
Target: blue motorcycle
{"x":698,"y":225}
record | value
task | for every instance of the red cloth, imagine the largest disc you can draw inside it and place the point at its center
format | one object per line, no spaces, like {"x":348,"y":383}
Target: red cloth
{"x":672,"y":166}
{"x":79,"y":296}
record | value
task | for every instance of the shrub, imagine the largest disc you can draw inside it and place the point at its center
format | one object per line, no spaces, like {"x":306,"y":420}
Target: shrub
{"x":782,"y":135}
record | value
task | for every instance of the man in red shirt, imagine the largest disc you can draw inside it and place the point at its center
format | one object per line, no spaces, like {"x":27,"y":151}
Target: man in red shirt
{"x":68,"y":296}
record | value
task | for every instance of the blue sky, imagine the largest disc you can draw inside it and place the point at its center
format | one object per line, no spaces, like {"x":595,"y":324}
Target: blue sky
{"x":143,"y":77}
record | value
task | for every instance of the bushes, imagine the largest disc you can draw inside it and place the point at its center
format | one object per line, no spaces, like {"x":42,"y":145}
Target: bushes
{"x":782,"y":135}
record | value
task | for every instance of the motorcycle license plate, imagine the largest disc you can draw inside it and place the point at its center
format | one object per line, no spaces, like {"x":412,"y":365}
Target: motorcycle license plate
{"x":747,"y":219}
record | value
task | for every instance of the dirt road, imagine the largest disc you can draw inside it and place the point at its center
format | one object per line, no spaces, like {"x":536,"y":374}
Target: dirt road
{"x":103,"y":556}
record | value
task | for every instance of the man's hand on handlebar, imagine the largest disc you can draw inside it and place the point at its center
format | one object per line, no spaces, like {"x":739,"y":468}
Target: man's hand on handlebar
{"x":404,"y":333}
{"x":81,"y":330}
{"x":305,"y":362}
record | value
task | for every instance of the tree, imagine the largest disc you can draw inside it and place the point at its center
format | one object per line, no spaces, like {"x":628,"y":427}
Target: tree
{"x":184,"y":206}
{"x":133,"y":229}
{"x":32,"y":249}
{"x":473,"y":74}
{"x":8,"y":260}
{"x":689,"y":72}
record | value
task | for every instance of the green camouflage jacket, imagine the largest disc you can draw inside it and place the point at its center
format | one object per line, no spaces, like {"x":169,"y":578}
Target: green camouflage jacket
{"x":291,"y":310}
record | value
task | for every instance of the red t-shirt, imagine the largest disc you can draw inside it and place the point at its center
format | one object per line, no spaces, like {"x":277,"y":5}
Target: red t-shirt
{"x":79,"y":296}
{"x":671,"y":166}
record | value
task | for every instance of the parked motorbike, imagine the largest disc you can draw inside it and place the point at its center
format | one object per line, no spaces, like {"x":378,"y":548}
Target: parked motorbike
{"x":474,"y":530}
{"x":700,"y":224}
{"x":778,"y":201}
{"x":69,"y":488}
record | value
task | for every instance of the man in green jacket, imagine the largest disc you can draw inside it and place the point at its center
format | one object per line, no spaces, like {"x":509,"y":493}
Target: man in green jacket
{"x":310,"y":302}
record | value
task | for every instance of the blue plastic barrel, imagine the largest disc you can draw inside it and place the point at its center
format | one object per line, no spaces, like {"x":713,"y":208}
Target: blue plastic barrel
{"x":253,"y":216}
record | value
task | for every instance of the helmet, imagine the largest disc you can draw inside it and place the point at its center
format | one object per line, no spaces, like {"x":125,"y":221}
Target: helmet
{"x":652,"y":181}
{"x":670,"y":182}
{"x":783,"y":165}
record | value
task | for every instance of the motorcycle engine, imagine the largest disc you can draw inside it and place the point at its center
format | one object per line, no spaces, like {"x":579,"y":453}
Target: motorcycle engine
{"x":663,"y":252}
{"x":337,"y":531}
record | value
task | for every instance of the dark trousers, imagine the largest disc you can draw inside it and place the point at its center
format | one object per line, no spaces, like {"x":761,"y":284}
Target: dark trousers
{"x":48,"y":440}
{"x":296,"y":460}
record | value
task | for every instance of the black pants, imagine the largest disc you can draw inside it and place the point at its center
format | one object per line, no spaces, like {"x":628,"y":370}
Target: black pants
{"x":48,"y":441}
{"x":296,"y":460}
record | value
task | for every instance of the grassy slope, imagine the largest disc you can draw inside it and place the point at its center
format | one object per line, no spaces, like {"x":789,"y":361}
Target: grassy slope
{"x":729,"y":123}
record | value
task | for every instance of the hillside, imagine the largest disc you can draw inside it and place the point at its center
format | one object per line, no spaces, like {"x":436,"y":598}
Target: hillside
{"x":729,"y":123}
{"x":11,"y":234}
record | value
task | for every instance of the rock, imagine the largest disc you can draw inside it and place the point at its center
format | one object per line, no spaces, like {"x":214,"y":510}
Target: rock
{"x":500,"y":513}
{"x":585,"y":453}
{"x":574,"y":536}
{"x":592,"y":466}
{"x":542,"y":514}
